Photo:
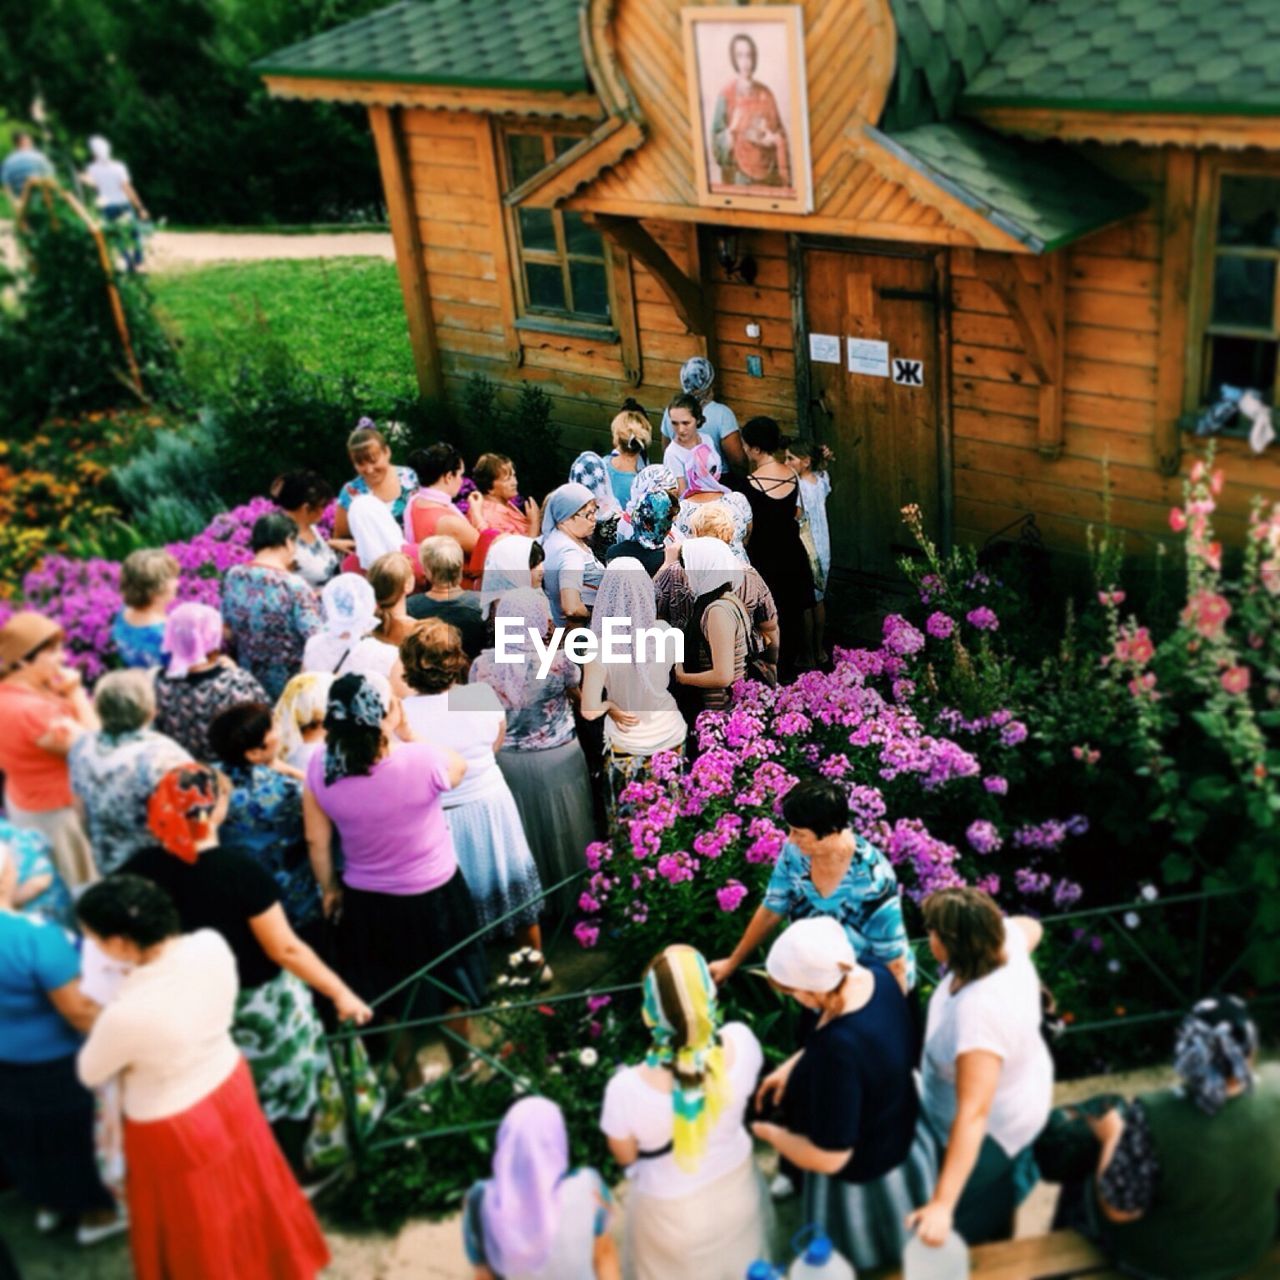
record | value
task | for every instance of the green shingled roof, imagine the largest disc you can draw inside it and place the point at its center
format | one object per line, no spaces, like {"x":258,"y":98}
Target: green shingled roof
{"x":491,"y":44}
{"x":1043,"y":194}
{"x":1197,"y":56}
{"x":941,"y":45}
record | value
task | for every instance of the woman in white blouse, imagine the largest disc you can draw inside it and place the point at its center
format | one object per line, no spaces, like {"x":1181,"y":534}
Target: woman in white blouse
{"x":209,"y":1191}
{"x":988,"y":1074}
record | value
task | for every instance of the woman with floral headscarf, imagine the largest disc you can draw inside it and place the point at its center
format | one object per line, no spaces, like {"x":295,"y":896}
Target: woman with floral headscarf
{"x":697,"y":378}
{"x":653,"y":479}
{"x":541,"y":757}
{"x":401,"y":901}
{"x":1187,"y":1178}
{"x":347,"y":643}
{"x":703,"y":491}
{"x":276,"y":1025}
{"x":589,"y":470}
{"x":650,"y":525}
{"x":696,"y":1208}
{"x":642,"y":717}
{"x":537,"y":1219}
{"x":200,"y":680}
{"x":299,"y":717}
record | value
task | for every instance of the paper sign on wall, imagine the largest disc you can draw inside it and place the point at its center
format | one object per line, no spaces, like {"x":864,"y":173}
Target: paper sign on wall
{"x":908,"y":373}
{"x":824,"y":348}
{"x":869,"y":357}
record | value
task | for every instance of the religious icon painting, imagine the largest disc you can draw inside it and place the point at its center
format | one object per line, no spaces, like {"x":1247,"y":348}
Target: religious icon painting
{"x":748,"y":108}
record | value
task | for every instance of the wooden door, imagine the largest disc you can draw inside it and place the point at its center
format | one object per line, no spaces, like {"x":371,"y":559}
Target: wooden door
{"x":880,"y":418}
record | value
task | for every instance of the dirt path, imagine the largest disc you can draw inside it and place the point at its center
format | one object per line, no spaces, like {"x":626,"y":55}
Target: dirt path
{"x":179,"y":250}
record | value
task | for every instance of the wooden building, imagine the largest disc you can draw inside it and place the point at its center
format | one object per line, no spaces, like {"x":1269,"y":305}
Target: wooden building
{"x":1064,"y":215}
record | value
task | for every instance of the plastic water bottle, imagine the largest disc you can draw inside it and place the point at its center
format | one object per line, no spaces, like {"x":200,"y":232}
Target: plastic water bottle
{"x":949,"y":1262}
{"x":820,"y":1261}
{"x":761,"y":1270}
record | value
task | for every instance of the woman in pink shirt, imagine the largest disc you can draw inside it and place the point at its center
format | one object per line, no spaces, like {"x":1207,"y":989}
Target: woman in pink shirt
{"x":401,"y":901}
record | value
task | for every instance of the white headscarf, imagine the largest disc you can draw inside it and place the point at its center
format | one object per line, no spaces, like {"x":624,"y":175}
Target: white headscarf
{"x":506,"y":568}
{"x":350,"y":607}
{"x":626,"y":591}
{"x":100,"y":148}
{"x":812,"y":955}
{"x":518,"y":682}
{"x":709,"y":564}
{"x":374,"y":528}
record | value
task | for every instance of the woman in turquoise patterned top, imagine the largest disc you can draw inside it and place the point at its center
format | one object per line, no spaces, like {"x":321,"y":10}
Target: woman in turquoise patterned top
{"x":264,"y":817}
{"x":371,"y":456}
{"x":149,"y":585}
{"x":825,"y":869}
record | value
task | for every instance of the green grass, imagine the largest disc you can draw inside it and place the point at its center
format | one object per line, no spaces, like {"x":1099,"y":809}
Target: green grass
{"x":336,"y":315}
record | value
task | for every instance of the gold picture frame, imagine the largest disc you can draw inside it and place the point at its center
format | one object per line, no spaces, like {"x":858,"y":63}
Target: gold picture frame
{"x":748,"y":107}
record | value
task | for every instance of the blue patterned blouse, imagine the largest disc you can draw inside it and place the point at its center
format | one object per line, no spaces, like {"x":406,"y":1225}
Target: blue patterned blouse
{"x":138,"y":646}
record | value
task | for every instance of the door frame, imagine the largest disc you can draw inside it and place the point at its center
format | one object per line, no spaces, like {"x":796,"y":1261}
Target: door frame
{"x":797,"y":245}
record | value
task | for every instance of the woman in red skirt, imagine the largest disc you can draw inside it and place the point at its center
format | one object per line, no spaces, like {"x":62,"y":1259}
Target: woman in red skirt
{"x":209,"y":1192}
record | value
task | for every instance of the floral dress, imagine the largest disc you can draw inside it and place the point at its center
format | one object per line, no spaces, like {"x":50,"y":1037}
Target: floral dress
{"x":187,"y":705}
{"x":271,"y":615}
{"x":113,"y":776}
{"x":409,"y":485}
{"x":317,"y":562}
{"x":542,"y":720}
{"x":264,"y":822}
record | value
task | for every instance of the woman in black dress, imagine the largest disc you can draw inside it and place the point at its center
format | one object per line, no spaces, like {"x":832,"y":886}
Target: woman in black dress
{"x":773,"y":490}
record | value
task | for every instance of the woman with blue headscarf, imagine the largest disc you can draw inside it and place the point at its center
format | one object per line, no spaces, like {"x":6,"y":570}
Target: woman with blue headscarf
{"x":1187,"y":1177}
{"x":572,"y":570}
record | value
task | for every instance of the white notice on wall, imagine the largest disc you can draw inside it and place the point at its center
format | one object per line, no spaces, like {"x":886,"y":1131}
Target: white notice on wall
{"x":824,"y":348}
{"x":869,"y":357}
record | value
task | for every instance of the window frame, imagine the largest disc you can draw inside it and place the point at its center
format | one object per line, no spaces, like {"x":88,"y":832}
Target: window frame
{"x":1206,"y":252}
{"x":528,"y":315}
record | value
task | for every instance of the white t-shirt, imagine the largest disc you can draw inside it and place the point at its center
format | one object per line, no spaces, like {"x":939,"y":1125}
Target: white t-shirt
{"x":467,"y":719}
{"x":167,"y":1033}
{"x":109,"y":178}
{"x":677,"y":455}
{"x":634,"y":1109}
{"x":1000,"y":1014}
{"x":341,"y":657}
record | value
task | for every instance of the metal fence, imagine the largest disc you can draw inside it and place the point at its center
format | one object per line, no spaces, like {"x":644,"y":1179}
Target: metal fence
{"x":1182,"y":968}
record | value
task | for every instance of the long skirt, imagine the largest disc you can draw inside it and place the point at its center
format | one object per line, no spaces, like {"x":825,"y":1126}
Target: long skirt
{"x":553,"y":794}
{"x":69,"y":846}
{"x":46,"y":1136}
{"x":279,"y":1032}
{"x":865,"y":1219}
{"x":386,"y":938}
{"x":211,"y":1195}
{"x":495,"y":857}
{"x":713,"y":1234}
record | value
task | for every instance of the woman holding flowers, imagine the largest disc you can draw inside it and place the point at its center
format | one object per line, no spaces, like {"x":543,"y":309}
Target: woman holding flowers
{"x":846,"y":1103}
{"x":537,"y":1219}
{"x":697,"y":1209}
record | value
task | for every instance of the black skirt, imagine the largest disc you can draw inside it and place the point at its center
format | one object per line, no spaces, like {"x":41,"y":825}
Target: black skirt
{"x":46,"y":1136}
{"x":384,"y":938}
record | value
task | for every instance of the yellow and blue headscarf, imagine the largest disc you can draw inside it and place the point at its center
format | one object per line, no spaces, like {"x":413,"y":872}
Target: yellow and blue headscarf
{"x":680,"y":1010}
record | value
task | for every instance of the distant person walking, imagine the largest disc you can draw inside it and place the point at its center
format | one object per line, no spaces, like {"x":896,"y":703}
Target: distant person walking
{"x":22,"y":164}
{"x":116,"y":197}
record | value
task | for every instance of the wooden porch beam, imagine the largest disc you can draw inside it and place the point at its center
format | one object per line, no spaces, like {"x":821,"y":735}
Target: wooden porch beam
{"x":1178,"y":239}
{"x":685,"y":294}
{"x":411,"y":260}
{"x":1039,"y":313}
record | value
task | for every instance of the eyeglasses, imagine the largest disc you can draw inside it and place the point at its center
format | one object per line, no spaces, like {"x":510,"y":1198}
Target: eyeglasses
{"x":588,"y":512}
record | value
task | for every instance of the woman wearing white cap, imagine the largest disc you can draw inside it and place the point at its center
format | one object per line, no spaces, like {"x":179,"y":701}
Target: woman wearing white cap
{"x":847,"y":1100}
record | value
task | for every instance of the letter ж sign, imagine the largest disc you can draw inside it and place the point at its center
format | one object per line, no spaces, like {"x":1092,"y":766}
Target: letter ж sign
{"x":908,"y":373}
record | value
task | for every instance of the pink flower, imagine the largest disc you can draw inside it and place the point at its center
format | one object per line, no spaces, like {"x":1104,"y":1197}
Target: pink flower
{"x":983,"y":618}
{"x":730,"y":897}
{"x":587,"y":934}
{"x":939,"y":625}
{"x":1144,"y":686}
{"x":1197,"y":471}
{"x":1177,"y":520}
{"x":596,"y":1003}
{"x":1111,"y":597}
{"x":1207,"y":612}
{"x":1236,"y":679}
{"x":1216,"y":481}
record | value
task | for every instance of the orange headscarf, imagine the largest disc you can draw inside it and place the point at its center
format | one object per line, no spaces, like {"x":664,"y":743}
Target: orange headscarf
{"x":180,"y":808}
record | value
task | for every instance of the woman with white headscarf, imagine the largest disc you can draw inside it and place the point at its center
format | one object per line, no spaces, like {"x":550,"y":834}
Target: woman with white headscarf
{"x":573,"y":571}
{"x":541,"y":758}
{"x":116,"y":197}
{"x":513,"y":562}
{"x":346,"y":643}
{"x":718,"y":634}
{"x":642,"y":716}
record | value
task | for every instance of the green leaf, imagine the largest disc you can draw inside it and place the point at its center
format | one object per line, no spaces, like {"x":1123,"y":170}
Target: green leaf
{"x":1211,"y":790}
{"x":1177,"y":868}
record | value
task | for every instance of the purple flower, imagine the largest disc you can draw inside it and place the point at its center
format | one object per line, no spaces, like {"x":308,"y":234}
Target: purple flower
{"x":983,"y":837}
{"x":596,"y":1003}
{"x":996,"y":785}
{"x":1031,"y":883}
{"x":588,"y":904}
{"x":1066,"y":893}
{"x":1013,"y":733}
{"x":940,"y":626}
{"x":730,"y":897}
{"x":587,"y":934}
{"x":901,"y":637}
{"x":983,"y":618}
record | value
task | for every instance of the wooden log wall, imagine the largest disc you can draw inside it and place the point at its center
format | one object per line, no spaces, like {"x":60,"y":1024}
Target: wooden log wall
{"x":1113,"y":408}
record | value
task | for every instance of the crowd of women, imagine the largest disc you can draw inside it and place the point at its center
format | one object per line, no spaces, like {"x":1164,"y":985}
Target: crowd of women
{"x":283,"y":809}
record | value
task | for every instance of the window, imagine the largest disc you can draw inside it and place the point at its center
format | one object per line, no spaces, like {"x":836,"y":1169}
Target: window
{"x":1242,"y":330}
{"x":563,"y":268}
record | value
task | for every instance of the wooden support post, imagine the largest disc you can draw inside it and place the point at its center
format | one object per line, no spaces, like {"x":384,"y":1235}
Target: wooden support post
{"x":411,"y":260}
{"x":1053,"y":298}
{"x":1178,"y":233}
{"x":488,"y":150}
{"x":624,"y":320}
{"x":685,"y":294}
